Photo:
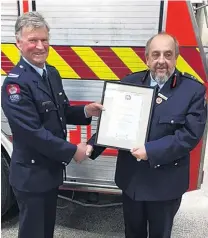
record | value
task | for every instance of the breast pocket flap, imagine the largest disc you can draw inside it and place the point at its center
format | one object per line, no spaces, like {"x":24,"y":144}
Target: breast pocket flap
{"x":174,"y":119}
{"x":46,"y":106}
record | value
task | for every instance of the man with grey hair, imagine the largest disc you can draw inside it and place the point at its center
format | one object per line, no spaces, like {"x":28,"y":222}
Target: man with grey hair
{"x":38,"y":110}
{"x":154,"y":177}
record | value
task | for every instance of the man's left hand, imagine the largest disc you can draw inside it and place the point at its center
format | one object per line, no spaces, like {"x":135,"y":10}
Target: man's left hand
{"x":89,"y":150}
{"x":93,"y":109}
{"x":140,"y":153}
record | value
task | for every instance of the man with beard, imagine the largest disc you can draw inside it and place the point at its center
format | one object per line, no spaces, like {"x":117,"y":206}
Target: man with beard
{"x":154,"y":177}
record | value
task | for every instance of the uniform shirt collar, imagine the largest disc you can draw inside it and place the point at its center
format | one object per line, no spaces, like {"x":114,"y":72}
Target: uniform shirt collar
{"x":37,"y":69}
{"x":153,"y":82}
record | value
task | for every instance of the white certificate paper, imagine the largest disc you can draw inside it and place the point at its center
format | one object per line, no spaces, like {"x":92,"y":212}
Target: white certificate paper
{"x":124,"y":123}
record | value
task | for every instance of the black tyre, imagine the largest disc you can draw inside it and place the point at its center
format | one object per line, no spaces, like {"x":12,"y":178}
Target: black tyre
{"x":7,"y":197}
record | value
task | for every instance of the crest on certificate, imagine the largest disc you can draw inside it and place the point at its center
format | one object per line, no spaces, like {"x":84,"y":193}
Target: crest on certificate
{"x":128,"y":97}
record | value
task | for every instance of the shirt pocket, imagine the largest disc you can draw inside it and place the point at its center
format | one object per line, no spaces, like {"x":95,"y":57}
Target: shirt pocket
{"x":172,"y":119}
{"x":46,"y":107}
{"x":47,"y":111}
{"x":170,"y":123}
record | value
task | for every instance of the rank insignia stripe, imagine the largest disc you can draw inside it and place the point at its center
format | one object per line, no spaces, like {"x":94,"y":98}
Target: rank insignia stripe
{"x":13,"y":75}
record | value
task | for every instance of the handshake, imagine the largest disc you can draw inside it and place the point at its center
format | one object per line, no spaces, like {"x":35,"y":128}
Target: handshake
{"x":83,"y":152}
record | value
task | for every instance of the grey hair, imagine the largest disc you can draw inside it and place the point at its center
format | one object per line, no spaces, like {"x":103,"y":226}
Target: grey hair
{"x":30,"y":19}
{"x":166,"y":34}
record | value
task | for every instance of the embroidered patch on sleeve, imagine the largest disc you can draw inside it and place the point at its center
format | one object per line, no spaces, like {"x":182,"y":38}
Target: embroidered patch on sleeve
{"x":14,"y":98}
{"x":13,"y":89}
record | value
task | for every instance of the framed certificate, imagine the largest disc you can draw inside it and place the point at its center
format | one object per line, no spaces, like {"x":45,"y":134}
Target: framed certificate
{"x":125,"y":122}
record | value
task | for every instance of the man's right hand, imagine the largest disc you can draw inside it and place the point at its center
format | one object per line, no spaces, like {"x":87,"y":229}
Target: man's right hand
{"x":80,"y":154}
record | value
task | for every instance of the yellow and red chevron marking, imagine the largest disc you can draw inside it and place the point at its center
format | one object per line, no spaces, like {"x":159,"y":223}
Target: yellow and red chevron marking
{"x":108,"y":63}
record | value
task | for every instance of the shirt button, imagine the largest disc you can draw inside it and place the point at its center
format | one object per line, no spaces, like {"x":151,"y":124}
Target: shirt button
{"x":64,"y":131}
{"x":176,"y":164}
{"x":32,"y":161}
{"x":46,"y":110}
{"x":172,"y":121}
{"x":61,"y":118}
{"x":60,"y":93}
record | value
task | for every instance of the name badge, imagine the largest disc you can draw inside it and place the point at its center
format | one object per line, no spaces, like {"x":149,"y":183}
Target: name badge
{"x":162,"y":96}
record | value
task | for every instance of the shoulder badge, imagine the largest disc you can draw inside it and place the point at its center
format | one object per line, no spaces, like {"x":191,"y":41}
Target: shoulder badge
{"x":13,"y":91}
{"x":189,"y":76}
{"x":137,"y":72}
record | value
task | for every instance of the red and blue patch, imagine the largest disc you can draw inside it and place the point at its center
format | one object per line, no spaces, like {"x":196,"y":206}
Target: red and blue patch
{"x":13,"y":90}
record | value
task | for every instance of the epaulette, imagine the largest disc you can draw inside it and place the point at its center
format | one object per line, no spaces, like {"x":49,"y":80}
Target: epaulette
{"x":16,"y":72}
{"x":142,"y":71}
{"x":50,"y":66}
{"x":189,"y":76}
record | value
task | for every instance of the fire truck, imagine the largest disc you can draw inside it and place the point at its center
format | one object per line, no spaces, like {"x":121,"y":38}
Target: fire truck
{"x":94,"y":41}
